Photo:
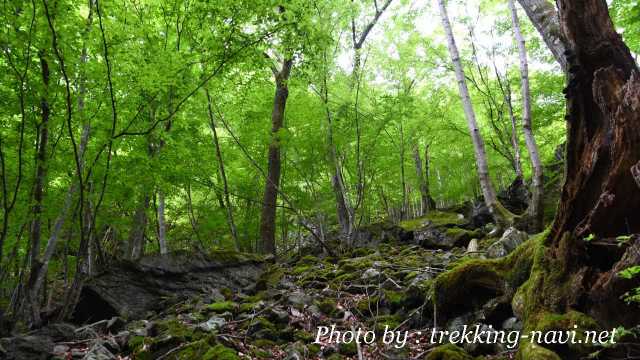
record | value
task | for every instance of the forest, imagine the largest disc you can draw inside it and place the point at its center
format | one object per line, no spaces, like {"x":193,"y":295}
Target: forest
{"x":265,"y":179}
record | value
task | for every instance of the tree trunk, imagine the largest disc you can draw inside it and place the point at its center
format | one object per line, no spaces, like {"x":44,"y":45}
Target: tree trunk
{"x":424,"y":200}
{"x":517,"y":162}
{"x":427,"y":175}
{"x":32,"y":301}
{"x":501,"y":215}
{"x":544,"y":17}
{"x":136,"y":237}
{"x":600,"y":197}
{"x":162,"y":228}
{"x":535,"y":209}
{"x":222,"y":174}
{"x":268,"y":215}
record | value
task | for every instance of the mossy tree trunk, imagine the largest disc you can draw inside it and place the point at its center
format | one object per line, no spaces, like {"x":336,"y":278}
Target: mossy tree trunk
{"x":600,"y":199}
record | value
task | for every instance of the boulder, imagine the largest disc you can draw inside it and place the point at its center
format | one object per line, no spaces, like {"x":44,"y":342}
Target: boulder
{"x":27,"y":347}
{"x":444,"y":238}
{"x":479,"y":215}
{"x":133,"y":289}
{"x":515,"y":197}
{"x":510,"y":240}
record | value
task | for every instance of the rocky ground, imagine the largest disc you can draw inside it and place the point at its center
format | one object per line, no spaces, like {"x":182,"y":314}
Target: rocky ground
{"x":226,"y":306}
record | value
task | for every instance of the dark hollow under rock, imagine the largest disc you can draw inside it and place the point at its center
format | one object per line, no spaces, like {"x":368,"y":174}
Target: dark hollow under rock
{"x":132,"y":289}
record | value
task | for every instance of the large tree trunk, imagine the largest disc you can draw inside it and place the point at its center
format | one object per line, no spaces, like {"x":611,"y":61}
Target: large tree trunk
{"x":501,"y":215}
{"x":136,"y":238}
{"x":544,"y":17}
{"x":535,"y":209}
{"x":600,"y":198}
{"x":268,"y":215}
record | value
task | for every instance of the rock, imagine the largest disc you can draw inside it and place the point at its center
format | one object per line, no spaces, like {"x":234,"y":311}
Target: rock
{"x":479,"y":215}
{"x":60,"y":350}
{"x":473,"y":246}
{"x":132,"y":289}
{"x":515,"y":197}
{"x":295,"y":351}
{"x":370,"y":273}
{"x":512,"y":323}
{"x":213,"y":324}
{"x":420,"y":278}
{"x":278,"y":315}
{"x":28,"y":347}
{"x":98,"y":352}
{"x":299,"y":298}
{"x":444,"y":238}
{"x":510,"y":240}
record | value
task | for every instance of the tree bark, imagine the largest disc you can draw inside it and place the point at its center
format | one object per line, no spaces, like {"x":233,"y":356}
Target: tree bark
{"x":426,"y":202}
{"x":136,"y":237}
{"x":544,"y":17}
{"x":600,"y":197}
{"x":32,"y":301}
{"x":162,"y":229}
{"x":501,"y":215}
{"x":535,"y":209}
{"x":223,"y":175}
{"x":268,"y":215}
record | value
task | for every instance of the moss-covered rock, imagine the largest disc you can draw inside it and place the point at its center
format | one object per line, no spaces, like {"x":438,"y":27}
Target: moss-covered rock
{"x":348,"y":349}
{"x":223,"y":306}
{"x":270,"y":277}
{"x":448,"y":352}
{"x":220,"y":352}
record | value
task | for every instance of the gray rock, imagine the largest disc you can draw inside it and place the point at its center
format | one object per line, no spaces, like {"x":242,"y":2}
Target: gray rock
{"x":299,"y":298}
{"x":510,"y":240}
{"x":420,"y":278}
{"x":473,"y":246}
{"x":370,"y":274}
{"x":29,"y":347}
{"x":512,"y":323}
{"x":98,"y":352}
{"x":213,"y":324}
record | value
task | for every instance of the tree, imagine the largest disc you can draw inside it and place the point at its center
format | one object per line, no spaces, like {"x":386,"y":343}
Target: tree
{"x":272,"y":182}
{"x":600,"y":196}
{"x":544,"y":17}
{"x":535,"y":209}
{"x":501,"y":215}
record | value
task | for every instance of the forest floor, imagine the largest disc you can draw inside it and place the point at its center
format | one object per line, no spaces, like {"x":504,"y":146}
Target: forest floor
{"x":392,"y":280}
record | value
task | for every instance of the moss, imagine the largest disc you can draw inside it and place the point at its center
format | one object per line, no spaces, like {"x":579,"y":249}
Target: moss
{"x":368,"y":305}
{"x":327,"y":306}
{"x":448,"y":352}
{"x":308,"y":260}
{"x":220,"y":352}
{"x":175,"y":329}
{"x":382,"y":321}
{"x":314,"y":349}
{"x":348,"y":349}
{"x":247,"y":307}
{"x":234,"y":257}
{"x":301,"y":269}
{"x":335,"y":356}
{"x":530,"y":351}
{"x":223,"y":306}
{"x":303,"y":336}
{"x":395,"y":299}
{"x":135,"y":343}
{"x":264,"y":343}
{"x":270,"y":278}
{"x":436,"y":218}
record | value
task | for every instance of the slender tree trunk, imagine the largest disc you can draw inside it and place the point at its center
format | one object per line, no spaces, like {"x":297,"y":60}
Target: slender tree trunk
{"x":162,"y":229}
{"x":425,"y":202}
{"x":544,"y":17}
{"x":517,"y":162}
{"x":268,"y":215}
{"x":136,"y":237}
{"x":222,"y":174}
{"x":403,"y":182}
{"x":32,"y":301}
{"x":535,"y":210}
{"x":501,"y":215}
{"x":427,"y":176}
